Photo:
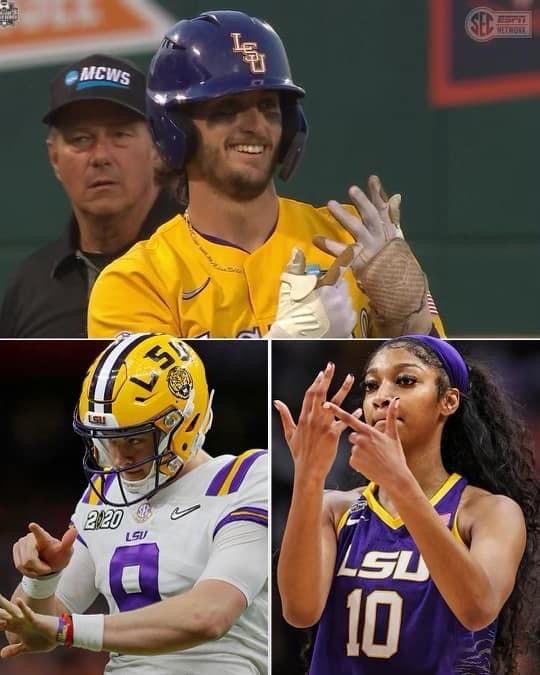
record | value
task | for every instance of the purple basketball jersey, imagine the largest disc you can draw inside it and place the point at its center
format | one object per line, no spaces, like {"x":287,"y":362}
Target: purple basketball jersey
{"x":384,"y":615}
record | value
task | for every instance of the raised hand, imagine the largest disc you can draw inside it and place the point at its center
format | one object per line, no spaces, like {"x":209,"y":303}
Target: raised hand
{"x":313,"y":440}
{"x":377,"y":222}
{"x":39,"y":553}
{"x":378,"y":455}
{"x":383,"y":265}
{"x":36,"y":632}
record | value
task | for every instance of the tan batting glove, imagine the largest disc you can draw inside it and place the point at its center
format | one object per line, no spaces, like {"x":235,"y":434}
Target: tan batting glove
{"x":384,"y":265}
{"x":314,"y":307}
{"x":377,"y":222}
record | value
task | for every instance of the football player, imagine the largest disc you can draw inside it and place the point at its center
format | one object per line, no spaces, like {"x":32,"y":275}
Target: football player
{"x":176,"y":541}
{"x":225,"y":113}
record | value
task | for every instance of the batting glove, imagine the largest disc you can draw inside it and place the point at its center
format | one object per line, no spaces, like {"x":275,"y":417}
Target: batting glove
{"x":314,"y":307}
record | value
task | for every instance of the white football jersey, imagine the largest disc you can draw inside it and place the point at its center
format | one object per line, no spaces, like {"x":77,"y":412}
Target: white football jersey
{"x":161,"y":547}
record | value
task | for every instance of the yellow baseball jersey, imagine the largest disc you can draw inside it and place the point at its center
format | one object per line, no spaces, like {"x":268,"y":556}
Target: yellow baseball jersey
{"x":182,"y":283}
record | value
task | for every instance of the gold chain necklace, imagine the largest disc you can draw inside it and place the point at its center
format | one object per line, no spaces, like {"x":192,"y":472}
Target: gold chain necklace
{"x":195,"y":238}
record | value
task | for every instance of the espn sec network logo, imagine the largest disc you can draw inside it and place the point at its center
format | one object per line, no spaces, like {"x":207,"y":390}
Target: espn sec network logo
{"x":255,"y":60}
{"x":8,"y":13}
{"x":483,"y":24}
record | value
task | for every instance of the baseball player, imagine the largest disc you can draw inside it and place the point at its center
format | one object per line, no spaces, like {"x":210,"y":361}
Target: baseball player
{"x":225,"y":113}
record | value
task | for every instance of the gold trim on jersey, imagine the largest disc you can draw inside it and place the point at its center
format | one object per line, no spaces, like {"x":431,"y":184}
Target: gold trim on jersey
{"x":93,"y":498}
{"x":455,"y":528}
{"x":343,"y":520}
{"x":235,"y":468}
{"x":395,"y":522}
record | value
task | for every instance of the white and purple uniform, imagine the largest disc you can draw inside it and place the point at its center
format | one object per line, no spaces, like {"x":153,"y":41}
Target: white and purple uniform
{"x":211,"y":523}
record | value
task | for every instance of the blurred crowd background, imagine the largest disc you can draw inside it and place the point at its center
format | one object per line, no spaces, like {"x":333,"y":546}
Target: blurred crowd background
{"x":42,"y":475}
{"x":394,"y":88}
{"x":516,"y":365}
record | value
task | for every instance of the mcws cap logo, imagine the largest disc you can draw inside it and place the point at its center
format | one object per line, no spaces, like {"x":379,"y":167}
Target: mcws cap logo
{"x":98,"y":76}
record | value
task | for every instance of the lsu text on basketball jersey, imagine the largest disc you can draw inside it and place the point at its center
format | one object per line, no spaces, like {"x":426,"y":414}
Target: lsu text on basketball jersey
{"x":384,"y":615}
{"x":182,"y":283}
{"x":159,"y":548}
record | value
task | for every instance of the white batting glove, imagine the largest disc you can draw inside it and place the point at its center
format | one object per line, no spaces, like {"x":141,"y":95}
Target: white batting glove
{"x":313,"y":307}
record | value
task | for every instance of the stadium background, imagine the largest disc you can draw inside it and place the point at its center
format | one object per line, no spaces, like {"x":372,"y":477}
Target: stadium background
{"x":516,"y":365}
{"x":42,"y":476}
{"x":469,"y":174}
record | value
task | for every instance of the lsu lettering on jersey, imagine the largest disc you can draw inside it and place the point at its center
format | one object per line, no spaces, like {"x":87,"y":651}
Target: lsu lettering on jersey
{"x":182,"y":283}
{"x":384,"y":614}
{"x":160,"y":548}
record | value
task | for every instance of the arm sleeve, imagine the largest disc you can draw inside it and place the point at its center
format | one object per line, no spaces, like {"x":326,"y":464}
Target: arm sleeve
{"x":240,"y":537}
{"x":77,"y":589}
{"x":240,"y":557}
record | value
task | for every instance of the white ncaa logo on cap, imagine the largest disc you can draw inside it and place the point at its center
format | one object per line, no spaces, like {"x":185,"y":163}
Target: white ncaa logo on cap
{"x":71,"y":77}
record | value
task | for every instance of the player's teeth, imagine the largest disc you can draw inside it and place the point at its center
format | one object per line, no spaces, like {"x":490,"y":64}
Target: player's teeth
{"x":251,"y":149}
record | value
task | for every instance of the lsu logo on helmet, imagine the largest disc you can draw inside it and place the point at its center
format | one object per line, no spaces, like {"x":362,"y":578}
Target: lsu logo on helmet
{"x":255,"y":60}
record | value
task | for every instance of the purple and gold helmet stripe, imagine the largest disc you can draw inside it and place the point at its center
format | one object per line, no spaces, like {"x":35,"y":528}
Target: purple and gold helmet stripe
{"x":229,"y":478}
{"x":104,"y":378}
{"x":253,"y":514}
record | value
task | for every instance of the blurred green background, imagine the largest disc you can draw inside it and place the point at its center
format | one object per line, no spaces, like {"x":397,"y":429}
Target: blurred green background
{"x":469,"y":176}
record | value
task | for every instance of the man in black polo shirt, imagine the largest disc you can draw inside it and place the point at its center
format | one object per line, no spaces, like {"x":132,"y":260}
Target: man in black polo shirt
{"x":101,"y":151}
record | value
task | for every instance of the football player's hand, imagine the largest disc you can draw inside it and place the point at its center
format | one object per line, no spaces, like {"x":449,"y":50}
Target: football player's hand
{"x":313,"y":307}
{"x":313,"y":440}
{"x":377,"y":222}
{"x":35,"y":632}
{"x":39,"y":553}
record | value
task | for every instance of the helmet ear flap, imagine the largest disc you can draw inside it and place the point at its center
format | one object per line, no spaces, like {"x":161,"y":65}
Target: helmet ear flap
{"x":181,"y":119}
{"x":293,"y":137}
{"x":173,"y":123}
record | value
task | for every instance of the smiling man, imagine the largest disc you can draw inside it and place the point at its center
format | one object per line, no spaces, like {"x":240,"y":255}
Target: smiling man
{"x":102,"y":153}
{"x":225,"y":113}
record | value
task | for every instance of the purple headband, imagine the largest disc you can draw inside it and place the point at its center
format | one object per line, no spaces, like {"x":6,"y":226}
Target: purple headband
{"x":451,"y":360}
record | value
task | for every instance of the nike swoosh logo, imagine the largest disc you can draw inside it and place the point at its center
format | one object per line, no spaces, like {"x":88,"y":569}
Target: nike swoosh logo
{"x":180,"y":513}
{"x":189,"y":295}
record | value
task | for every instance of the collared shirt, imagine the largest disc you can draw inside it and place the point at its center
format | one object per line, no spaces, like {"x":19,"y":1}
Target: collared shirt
{"x":47,"y":297}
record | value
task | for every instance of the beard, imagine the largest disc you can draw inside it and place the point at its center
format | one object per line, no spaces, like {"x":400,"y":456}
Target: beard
{"x":239,"y":184}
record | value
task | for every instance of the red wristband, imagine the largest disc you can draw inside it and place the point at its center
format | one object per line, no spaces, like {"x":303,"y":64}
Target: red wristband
{"x":68,"y":629}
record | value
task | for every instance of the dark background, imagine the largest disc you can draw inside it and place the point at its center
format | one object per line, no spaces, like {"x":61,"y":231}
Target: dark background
{"x":469,"y":175}
{"x":295,"y":365}
{"x":42,"y":477}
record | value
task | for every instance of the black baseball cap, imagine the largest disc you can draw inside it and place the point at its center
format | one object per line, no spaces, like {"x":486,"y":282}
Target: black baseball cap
{"x":98,"y":77}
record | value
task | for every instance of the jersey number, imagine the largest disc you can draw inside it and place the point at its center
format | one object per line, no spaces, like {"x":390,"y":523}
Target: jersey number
{"x":389,"y":645}
{"x":133,"y":576}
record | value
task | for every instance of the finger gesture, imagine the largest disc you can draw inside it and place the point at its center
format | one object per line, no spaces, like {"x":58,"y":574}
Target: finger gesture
{"x":376,"y":453}
{"x":36,"y":632}
{"x":314,"y":438}
{"x":39,"y":553}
